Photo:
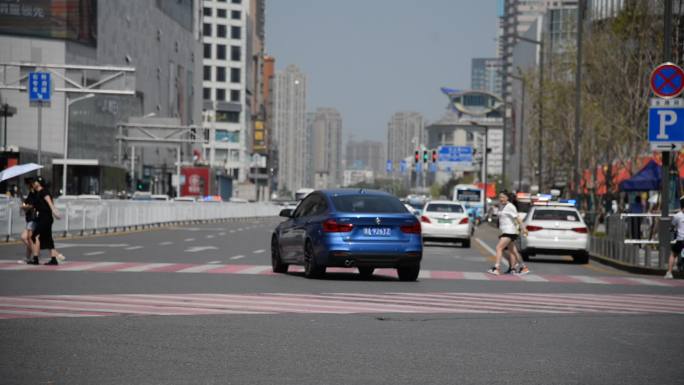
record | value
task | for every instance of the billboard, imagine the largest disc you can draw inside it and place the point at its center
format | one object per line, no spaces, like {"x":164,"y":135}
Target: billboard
{"x":74,"y":20}
{"x":197,"y":181}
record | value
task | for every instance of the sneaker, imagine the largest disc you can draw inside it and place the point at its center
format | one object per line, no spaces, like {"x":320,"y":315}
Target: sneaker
{"x":668,"y":275}
{"x":494,"y":270}
{"x":52,"y":261}
{"x":33,"y":261}
{"x":523,"y":270}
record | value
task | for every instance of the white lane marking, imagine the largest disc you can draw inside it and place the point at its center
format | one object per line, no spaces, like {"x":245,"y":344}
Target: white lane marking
{"x":89,"y":266}
{"x":648,"y":281}
{"x":68,"y":245}
{"x":196,"y":249}
{"x":133,"y":248}
{"x":198,"y":268}
{"x":94,"y":253}
{"x":209,"y":236}
{"x":17,"y":267}
{"x":475,"y":276}
{"x":260,"y":251}
{"x":145,"y":267}
{"x":165,"y":243}
{"x":588,"y":279}
{"x":532,"y":278}
{"x":214,"y":262}
{"x":237,"y":257}
{"x":222,"y":233}
{"x":232,"y":231}
{"x":485,"y":246}
{"x":189,"y":239}
{"x":424,"y":274}
{"x":240,"y":229}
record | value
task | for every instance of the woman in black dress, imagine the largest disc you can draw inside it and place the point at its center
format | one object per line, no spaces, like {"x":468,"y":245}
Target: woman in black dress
{"x":46,"y":212}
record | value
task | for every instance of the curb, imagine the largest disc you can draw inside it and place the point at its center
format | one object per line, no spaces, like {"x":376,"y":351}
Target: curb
{"x":632,"y":269}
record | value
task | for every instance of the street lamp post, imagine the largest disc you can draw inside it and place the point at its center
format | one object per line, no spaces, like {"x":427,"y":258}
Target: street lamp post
{"x":540,"y":43}
{"x":67,"y":104}
{"x":483,"y":176}
{"x":522,"y":125}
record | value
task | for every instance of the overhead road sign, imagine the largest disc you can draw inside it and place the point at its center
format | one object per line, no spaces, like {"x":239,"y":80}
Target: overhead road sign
{"x":39,"y":86}
{"x":666,"y":124}
{"x":455,"y":157}
{"x":667,"y":81}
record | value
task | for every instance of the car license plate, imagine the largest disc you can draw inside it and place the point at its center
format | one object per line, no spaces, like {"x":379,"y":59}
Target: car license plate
{"x":377,"y":231}
{"x":443,"y":220}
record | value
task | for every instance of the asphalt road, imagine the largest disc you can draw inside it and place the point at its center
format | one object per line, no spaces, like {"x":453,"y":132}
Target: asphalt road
{"x":198,"y":304}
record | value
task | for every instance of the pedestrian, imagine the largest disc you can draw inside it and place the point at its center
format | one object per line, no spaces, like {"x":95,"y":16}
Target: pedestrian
{"x":518,"y":267}
{"x":678,"y":246}
{"x":28,"y":206}
{"x":42,"y":236}
{"x":636,"y":208}
{"x":509,"y":223}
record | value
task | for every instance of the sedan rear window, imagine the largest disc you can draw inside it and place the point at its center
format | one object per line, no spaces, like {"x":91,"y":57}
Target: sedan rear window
{"x":444,"y":208}
{"x":555,"y":215}
{"x":361,"y":203}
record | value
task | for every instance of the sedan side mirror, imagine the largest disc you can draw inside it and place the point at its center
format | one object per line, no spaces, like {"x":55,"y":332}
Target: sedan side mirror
{"x":287,"y":213}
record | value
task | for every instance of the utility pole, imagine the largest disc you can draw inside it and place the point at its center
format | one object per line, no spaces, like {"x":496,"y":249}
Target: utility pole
{"x":578,"y":97}
{"x":665,"y":220}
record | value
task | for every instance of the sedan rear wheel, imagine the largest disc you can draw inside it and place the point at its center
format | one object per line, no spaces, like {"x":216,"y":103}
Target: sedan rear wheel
{"x":311,"y":269}
{"x":276,"y":263}
{"x":366,"y":272}
{"x":408,"y":273}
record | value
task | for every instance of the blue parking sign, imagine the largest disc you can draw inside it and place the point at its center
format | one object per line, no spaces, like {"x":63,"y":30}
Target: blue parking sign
{"x":388,"y":167}
{"x":39,"y":86}
{"x":402,"y":166}
{"x":666,"y":127}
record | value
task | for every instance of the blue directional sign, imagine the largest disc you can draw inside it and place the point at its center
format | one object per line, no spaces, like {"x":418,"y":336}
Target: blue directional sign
{"x":433,"y":168}
{"x":388,"y":167}
{"x":402,"y":166}
{"x":39,"y":86}
{"x":455,"y":157}
{"x":419,"y":168}
{"x":666,"y":127}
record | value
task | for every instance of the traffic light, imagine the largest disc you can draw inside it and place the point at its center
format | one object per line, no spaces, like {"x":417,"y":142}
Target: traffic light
{"x":434,"y":156}
{"x":139,"y":185}
{"x":425,"y":156}
{"x":417,"y":157}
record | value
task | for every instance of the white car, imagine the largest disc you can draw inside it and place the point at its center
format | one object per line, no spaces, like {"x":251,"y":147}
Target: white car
{"x":446,"y":221}
{"x":555,"y":230}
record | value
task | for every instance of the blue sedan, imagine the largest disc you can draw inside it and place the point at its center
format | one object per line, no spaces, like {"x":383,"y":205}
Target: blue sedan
{"x":365,"y":229}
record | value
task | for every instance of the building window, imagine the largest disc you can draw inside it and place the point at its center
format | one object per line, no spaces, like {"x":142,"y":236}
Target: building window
{"x":234,"y":95}
{"x":235,"y":53}
{"x":235,"y":15}
{"x":228,"y":116}
{"x":207,"y":73}
{"x":220,"y":96}
{"x":220,"y":51}
{"x":236,"y":1}
{"x":235,"y":75}
{"x":221,"y":13}
{"x":220,"y":74}
{"x":207,"y":11}
{"x":235,"y":32}
{"x":206,"y":29}
{"x":221,"y":31}
{"x":206,"y":93}
{"x":207,"y":51}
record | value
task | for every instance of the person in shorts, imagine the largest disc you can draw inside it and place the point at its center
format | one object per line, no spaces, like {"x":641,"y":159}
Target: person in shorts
{"x":509,"y":223}
{"x":678,"y":246}
{"x":29,"y":207}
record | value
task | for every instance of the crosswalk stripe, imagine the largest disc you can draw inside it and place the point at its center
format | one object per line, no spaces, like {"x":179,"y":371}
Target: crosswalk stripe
{"x":38,"y":306}
{"x":68,"y":267}
{"x":145,"y":267}
{"x":199,"y":268}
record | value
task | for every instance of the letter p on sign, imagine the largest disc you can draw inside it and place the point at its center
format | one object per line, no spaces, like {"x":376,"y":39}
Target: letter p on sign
{"x":666,"y":118}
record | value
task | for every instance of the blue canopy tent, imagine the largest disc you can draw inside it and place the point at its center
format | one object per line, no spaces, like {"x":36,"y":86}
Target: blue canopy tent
{"x":647,"y":179}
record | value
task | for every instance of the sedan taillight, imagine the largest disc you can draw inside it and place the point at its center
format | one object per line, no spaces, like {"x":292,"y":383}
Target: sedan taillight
{"x":413,"y":228}
{"x":463,"y":221}
{"x":425,"y":219}
{"x":581,"y":230}
{"x":534,"y":228}
{"x":332,"y":226}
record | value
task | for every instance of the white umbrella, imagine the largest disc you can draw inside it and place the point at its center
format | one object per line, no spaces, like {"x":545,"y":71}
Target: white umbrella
{"x":17,"y":170}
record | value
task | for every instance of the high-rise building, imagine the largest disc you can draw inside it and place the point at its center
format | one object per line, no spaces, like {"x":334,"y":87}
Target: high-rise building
{"x":227,"y":105}
{"x":289,"y":126}
{"x":159,"y":39}
{"x":326,"y":148}
{"x":405,"y":134}
{"x":365,"y":155}
{"x":485,"y":75}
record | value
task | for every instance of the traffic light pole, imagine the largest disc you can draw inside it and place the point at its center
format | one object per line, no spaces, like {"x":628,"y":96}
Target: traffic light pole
{"x":665,"y":220}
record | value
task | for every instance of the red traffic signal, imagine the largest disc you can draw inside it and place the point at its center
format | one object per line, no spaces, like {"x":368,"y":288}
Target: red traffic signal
{"x":434,"y":156}
{"x":417,"y":157}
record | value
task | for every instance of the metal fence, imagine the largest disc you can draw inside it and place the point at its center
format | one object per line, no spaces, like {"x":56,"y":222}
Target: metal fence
{"x":631,"y":239}
{"x":83,"y":216}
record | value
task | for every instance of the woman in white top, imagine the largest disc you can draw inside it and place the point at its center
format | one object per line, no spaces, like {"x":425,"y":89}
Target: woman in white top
{"x":509,"y":223}
{"x":678,"y":246}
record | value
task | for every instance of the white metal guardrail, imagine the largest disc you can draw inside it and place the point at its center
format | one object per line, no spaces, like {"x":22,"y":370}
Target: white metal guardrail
{"x":85,"y":216}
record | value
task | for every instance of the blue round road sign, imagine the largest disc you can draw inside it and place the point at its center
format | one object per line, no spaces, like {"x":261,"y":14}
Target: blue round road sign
{"x":667,"y":80}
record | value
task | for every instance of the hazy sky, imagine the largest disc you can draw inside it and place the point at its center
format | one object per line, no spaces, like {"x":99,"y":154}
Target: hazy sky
{"x":371,"y":58}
